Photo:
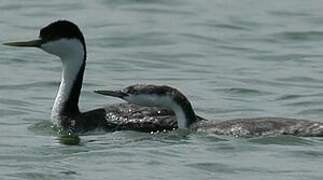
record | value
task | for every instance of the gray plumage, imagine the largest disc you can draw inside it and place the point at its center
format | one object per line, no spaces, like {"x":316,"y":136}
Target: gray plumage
{"x":244,"y":127}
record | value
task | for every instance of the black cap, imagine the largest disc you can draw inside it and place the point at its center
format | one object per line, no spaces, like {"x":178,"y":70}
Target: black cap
{"x":61,"y":29}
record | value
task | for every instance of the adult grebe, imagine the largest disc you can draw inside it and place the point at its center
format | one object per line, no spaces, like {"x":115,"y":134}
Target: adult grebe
{"x":168,"y":97}
{"x":65,"y":40}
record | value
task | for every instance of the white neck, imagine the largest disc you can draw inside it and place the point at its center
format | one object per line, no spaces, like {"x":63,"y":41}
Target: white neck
{"x":71,"y":67}
{"x":68,"y":77}
{"x":180,"y":116}
{"x":161,"y":101}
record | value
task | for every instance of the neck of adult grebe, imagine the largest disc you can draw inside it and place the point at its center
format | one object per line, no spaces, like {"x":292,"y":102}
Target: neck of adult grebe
{"x":67,"y":98}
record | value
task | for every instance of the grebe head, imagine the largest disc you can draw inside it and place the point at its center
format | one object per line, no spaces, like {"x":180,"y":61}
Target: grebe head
{"x":65,"y":40}
{"x":146,"y":95}
{"x":61,"y":38}
{"x":158,"y":96}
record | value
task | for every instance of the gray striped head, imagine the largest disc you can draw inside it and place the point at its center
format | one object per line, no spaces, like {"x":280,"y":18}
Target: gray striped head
{"x":156,"y":96}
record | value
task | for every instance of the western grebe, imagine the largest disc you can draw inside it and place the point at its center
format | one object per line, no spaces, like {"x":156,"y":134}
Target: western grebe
{"x":65,"y":40}
{"x":168,"y":97}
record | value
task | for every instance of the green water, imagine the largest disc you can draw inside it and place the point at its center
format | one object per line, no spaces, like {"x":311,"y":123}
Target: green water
{"x":242,"y":58}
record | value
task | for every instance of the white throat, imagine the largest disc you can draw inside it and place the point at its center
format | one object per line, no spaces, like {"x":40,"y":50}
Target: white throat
{"x":158,"y":101}
{"x":71,"y":53}
{"x":182,"y":121}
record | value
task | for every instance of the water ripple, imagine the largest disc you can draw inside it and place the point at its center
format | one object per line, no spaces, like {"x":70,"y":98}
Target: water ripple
{"x":300,"y":36}
{"x":19,"y":87}
{"x":145,"y":39}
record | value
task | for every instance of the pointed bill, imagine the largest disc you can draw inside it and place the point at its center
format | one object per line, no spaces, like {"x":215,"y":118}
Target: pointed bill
{"x":32,"y":43}
{"x":118,"y":94}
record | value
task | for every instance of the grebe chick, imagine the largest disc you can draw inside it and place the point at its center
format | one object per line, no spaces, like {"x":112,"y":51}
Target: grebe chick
{"x":168,"y":97}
